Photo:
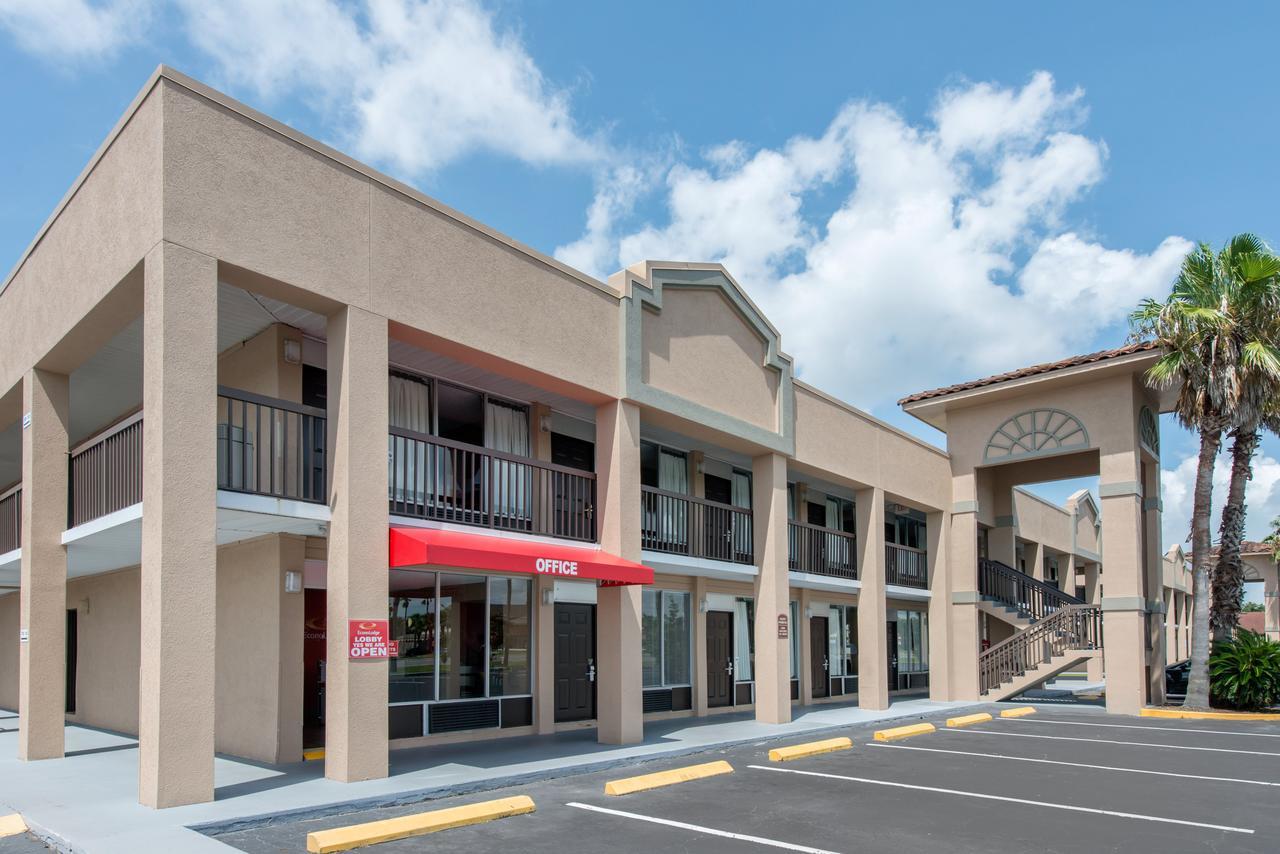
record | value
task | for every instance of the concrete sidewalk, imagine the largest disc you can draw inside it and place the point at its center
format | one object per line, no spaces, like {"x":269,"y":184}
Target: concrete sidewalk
{"x":87,"y":802}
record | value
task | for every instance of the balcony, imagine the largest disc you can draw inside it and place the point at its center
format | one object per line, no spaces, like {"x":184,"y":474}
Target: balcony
{"x":447,"y":481}
{"x":695,"y":527}
{"x":821,"y":551}
{"x":906,"y":567}
{"x":11,"y":519}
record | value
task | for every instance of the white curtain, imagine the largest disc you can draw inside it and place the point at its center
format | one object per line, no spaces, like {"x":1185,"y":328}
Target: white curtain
{"x":673,"y":476}
{"x":837,"y":547}
{"x":410,"y":409}
{"x":741,"y":497}
{"x":835,"y":640}
{"x":506,"y":429}
{"x":742,"y":630}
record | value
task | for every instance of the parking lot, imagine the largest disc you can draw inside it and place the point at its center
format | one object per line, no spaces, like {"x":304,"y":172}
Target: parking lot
{"x":1065,"y":779}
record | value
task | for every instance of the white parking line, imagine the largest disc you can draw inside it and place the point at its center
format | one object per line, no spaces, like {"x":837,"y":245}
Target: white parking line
{"x":1152,"y":728}
{"x":741,"y":837}
{"x":1104,"y":741}
{"x":986,"y":797}
{"x":1073,"y":764}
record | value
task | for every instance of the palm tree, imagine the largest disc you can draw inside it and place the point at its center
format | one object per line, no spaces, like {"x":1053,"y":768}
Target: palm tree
{"x":1255,"y":406}
{"x":1198,"y":330}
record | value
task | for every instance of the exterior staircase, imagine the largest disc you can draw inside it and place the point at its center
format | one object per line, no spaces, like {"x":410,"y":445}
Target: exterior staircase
{"x":1054,"y":631}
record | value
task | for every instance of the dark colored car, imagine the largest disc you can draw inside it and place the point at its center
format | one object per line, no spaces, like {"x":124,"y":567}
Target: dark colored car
{"x":1176,"y":677}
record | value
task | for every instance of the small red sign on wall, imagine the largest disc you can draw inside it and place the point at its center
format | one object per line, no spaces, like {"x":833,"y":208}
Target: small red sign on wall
{"x":370,"y":639}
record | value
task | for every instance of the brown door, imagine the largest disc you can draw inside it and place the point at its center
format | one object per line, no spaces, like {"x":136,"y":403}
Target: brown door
{"x":818,"y":663}
{"x":575,"y":661}
{"x":719,"y":658}
{"x":892,"y":642}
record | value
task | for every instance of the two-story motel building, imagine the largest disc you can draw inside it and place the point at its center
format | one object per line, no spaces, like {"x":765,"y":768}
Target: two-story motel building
{"x":254,"y":394}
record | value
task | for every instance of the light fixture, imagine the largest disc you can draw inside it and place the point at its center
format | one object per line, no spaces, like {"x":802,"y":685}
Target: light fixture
{"x":292,"y":581}
{"x":292,"y":351}
{"x":548,"y":596}
{"x":703,"y":605}
{"x":544,"y":423}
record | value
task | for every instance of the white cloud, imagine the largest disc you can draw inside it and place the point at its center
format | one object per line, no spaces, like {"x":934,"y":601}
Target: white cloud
{"x":1262,"y":497}
{"x":416,"y":83}
{"x":74,"y":30}
{"x":945,"y":258}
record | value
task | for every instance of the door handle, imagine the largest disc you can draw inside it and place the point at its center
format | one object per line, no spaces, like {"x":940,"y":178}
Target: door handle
{"x":826,"y":665}
{"x":591,"y":670}
{"x":729,"y":669}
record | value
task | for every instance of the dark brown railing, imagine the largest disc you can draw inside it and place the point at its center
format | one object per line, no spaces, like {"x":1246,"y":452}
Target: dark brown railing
{"x":1018,"y":590}
{"x":106,"y":473}
{"x":1069,"y":629}
{"x":905,"y":566}
{"x":11,"y":518}
{"x":434,"y":478}
{"x":270,"y":447}
{"x":821,"y":551}
{"x":681,"y":524}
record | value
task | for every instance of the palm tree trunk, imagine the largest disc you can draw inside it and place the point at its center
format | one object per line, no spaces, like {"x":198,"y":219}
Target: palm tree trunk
{"x":1228,"y":575}
{"x":1198,"y":684}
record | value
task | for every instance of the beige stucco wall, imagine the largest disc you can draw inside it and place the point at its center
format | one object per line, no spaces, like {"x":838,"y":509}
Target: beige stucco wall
{"x":107,"y":652}
{"x":836,"y":439}
{"x":1042,"y":521}
{"x":699,"y":348}
{"x":9,"y":651}
{"x":258,"y":365}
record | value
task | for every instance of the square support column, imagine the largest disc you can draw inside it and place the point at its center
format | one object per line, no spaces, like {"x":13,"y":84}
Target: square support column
{"x":804,"y":630}
{"x":962,"y":567}
{"x":357,"y":577}
{"x":873,"y":633}
{"x":1153,"y":581}
{"x":937,"y":531}
{"x":1271,"y":602}
{"x":544,"y":718}
{"x":1002,"y":539}
{"x":179,"y":522}
{"x":42,"y":595}
{"x":1035,"y":560}
{"x":772,"y":588}
{"x":1094,"y":668}
{"x":700,"y":705}
{"x":1125,"y":604}
{"x":619,"y":681}
{"x":1067,"y":574}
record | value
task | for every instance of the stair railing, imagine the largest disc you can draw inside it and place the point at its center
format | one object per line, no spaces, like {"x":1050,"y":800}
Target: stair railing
{"x":1018,"y":590}
{"x":1075,"y":627}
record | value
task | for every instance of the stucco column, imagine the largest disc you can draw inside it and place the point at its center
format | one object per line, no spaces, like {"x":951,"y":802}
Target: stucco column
{"x":937,"y":531}
{"x":1271,"y":602}
{"x":1002,"y":538}
{"x":1125,"y":604}
{"x":619,"y":681}
{"x":179,"y":520}
{"x":1153,"y":582}
{"x":962,"y":568}
{"x":1093,"y":595}
{"x":873,"y":650}
{"x":358,"y":585}
{"x":1170,"y":626}
{"x":544,"y":698}
{"x":42,"y":595}
{"x":1067,"y":574}
{"x":772,"y":588}
{"x":700,"y":707}
{"x":1035,"y":560}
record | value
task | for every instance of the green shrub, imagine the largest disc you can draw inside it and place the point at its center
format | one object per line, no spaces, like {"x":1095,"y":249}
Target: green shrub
{"x":1244,"y":672}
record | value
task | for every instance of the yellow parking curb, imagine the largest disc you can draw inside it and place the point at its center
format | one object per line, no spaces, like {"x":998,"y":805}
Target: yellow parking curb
{"x":903,"y":732}
{"x":667,"y":778}
{"x":969,"y":720}
{"x":313,"y":753}
{"x":12,"y":825}
{"x":370,"y":833}
{"x":1209,"y":716}
{"x":1020,"y":712}
{"x":813,"y":748}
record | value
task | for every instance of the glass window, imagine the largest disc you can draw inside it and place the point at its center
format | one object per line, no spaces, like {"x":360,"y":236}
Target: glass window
{"x":462,"y":636}
{"x":509,"y":634}
{"x":842,"y":640}
{"x":412,"y":612}
{"x":665,"y":641}
{"x":913,"y":641}
{"x":461,"y":414}
{"x":794,"y":629}
{"x":744,"y":641}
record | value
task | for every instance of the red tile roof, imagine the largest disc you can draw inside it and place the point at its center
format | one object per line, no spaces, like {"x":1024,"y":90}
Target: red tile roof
{"x":1254,"y":621}
{"x":1071,"y":362}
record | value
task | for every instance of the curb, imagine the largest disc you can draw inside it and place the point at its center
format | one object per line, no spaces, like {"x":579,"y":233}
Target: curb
{"x":1020,"y":712}
{"x":904,"y":732}
{"x":1178,"y":714}
{"x":419,"y":824}
{"x":414,"y":796}
{"x":645,"y":782}
{"x":969,"y":720}
{"x":812,"y":748}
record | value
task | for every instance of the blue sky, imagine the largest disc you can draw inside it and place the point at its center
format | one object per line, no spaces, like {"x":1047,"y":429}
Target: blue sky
{"x":873,"y":176}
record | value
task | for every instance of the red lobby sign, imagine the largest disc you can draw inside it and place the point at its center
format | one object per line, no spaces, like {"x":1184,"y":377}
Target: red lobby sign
{"x":370,"y":639}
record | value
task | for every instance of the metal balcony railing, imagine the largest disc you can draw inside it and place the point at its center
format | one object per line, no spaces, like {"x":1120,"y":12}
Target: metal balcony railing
{"x":1071,"y":628}
{"x":821,"y":551}
{"x":1031,"y":596}
{"x":681,"y":524}
{"x":11,"y":518}
{"x":106,"y":472}
{"x":270,"y":447}
{"x":905,"y":566}
{"x":434,"y":478}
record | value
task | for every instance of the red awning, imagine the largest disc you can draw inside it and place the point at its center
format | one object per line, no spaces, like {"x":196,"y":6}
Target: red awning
{"x":419,"y":546}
